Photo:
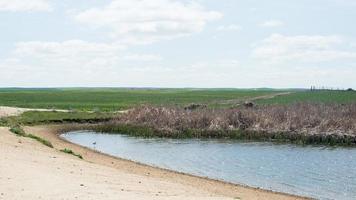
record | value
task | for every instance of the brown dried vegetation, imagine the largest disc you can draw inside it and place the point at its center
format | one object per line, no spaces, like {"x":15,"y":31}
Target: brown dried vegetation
{"x":303,"y":122}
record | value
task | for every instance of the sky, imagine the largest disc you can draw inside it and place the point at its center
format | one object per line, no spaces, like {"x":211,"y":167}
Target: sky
{"x":178,"y":43}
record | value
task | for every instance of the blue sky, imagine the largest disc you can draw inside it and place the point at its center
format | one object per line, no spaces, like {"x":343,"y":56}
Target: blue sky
{"x":178,"y":43}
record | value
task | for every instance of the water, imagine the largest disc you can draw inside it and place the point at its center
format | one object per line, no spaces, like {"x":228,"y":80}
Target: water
{"x":319,"y":172}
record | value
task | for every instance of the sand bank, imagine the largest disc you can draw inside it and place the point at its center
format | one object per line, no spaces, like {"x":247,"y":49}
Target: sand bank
{"x":6,"y":111}
{"x":30,"y":170}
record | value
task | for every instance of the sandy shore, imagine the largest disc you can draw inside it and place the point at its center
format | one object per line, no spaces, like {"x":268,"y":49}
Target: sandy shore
{"x":6,"y":111}
{"x":30,"y":170}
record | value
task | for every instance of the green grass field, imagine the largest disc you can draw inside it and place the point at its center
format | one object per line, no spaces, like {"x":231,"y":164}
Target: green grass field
{"x":118,"y":99}
{"x":313,"y":97}
{"x":104,"y":99}
{"x":36,"y":118}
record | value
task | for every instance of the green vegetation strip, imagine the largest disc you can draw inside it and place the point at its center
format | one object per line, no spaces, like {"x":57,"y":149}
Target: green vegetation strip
{"x":113,"y":99}
{"x":69,"y":151}
{"x":306,"y":117}
{"x":104,"y":99}
{"x":329,"y":97}
{"x":20,"y":132}
{"x":38,"y":118}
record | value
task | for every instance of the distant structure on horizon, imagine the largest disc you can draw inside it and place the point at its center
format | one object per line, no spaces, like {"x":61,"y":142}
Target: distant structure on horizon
{"x":323,"y":88}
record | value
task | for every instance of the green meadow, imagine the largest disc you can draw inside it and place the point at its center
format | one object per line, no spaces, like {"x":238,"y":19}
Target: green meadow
{"x":342,"y":97}
{"x":112,"y":99}
{"x":102,"y":102}
{"x":104,"y":99}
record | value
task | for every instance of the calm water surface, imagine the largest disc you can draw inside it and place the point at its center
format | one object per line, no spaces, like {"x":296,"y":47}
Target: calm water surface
{"x":319,"y":172}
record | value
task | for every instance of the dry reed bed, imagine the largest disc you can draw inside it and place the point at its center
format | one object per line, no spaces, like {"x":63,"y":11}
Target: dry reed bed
{"x":302,"y":123}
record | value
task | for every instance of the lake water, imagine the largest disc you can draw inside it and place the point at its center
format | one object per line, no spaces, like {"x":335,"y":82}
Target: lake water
{"x":319,"y":172}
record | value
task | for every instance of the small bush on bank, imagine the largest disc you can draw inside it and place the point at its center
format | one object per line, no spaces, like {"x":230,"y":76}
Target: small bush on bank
{"x":16,"y":129}
{"x":41,"y":140}
{"x":69,"y":151}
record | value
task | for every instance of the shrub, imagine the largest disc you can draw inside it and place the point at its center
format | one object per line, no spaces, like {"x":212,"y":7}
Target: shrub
{"x":69,"y":151}
{"x":41,"y":140}
{"x":20,"y":132}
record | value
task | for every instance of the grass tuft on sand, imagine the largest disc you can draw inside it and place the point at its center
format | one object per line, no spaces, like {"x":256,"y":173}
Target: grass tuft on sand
{"x":20,"y":132}
{"x":69,"y":151}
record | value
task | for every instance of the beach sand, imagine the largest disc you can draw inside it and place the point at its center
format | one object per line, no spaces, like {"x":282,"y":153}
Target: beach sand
{"x":6,"y":111}
{"x":30,"y":170}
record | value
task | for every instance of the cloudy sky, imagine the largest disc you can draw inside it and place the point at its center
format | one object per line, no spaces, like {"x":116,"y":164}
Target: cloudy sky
{"x":178,"y":43}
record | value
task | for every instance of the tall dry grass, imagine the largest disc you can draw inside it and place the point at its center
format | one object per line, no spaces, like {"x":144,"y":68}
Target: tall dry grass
{"x":302,"y":117}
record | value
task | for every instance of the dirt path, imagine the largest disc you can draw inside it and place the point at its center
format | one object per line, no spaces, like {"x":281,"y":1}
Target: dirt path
{"x":238,"y":102}
{"x":30,"y":170}
{"x":6,"y":111}
{"x":269,"y":96}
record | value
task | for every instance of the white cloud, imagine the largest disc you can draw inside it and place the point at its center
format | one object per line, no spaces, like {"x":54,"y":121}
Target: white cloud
{"x":146,"y":21}
{"x":343,"y":2}
{"x":231,"y":27}
{"x":279,"y":48}
{"x":142,"y":57}
{"x":233,"y":73}
{"x":272,"y":23}
{"x":71,"y":63}
{"x":70,"y":48}
{"x":72,"y":55}
{"x":24,"y":5}
{"x":223,"y":72}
